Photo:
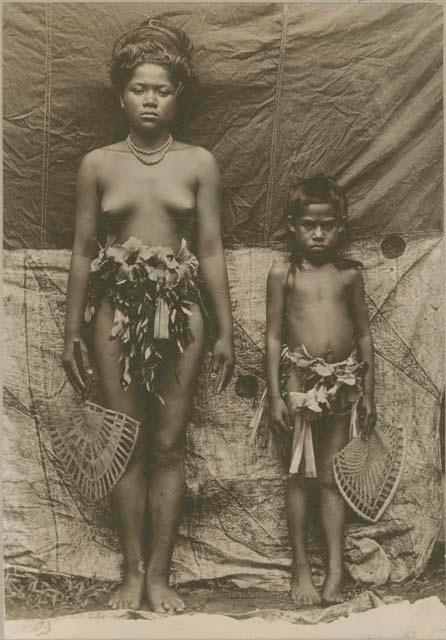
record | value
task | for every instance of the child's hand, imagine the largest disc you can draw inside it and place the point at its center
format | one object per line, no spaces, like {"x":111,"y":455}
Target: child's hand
{"x":368,"y":417}
{"x":223,"y":361}
{"x":279,"y":415}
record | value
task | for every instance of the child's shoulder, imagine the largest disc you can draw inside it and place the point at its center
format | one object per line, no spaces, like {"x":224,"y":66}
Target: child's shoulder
{"x":345,"y":264}
{"x":350,"y":271}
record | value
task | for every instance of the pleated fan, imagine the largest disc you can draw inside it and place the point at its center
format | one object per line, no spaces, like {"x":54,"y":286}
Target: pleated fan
{"x":93,"y":445}
{"x":367,"y":472}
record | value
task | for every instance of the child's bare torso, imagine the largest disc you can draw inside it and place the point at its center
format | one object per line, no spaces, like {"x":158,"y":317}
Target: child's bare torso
{"x":154,"y":203}
{"x":318,"y":311}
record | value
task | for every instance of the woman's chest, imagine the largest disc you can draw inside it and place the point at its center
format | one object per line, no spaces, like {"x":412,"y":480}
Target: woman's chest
{"x":129,"y":188}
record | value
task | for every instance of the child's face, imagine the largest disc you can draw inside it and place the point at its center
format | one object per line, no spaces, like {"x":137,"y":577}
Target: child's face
{"x":316,"y":230}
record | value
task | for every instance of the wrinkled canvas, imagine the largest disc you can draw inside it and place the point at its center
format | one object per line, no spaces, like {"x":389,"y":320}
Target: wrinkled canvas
{"x":351,"y":90}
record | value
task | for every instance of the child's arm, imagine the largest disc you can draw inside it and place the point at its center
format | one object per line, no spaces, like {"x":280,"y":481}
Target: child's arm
{"x":84,"y":250}
{"x":366,"y":352}
{"x":275,"y":297}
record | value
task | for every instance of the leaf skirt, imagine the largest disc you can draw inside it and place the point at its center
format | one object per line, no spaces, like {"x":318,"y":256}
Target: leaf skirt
{"x":151,"y":291}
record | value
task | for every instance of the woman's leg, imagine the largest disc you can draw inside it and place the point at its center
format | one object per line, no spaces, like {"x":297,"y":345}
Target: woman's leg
{"x":166,"y":475}
{"x":129,"y":496}
{"x":334,"y":436}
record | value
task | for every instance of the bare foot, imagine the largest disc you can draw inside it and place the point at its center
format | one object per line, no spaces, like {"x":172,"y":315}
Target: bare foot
{"x":161,"y":598}
{"x":332,"y":589}
{"x":129,"y":594}
{"x":303,"y":590}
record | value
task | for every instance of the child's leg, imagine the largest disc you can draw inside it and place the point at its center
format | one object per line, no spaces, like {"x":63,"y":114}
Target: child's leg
{"x":129,"y":496}
{"x":303,"y":590}
{"x":333,"y":436}
{"x":166,"y":477}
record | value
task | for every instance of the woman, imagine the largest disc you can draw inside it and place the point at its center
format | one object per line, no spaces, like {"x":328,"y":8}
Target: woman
{"x":153,"y":195}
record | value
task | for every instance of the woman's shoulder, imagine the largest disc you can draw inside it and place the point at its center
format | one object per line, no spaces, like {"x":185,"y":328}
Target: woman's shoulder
{"x":95,"y":160}
{"x":101,"y":153}
{"x":116,"y":147}
{"x":200,"y":162}
{"x":193,"y":149}
{"x":201,"y":158}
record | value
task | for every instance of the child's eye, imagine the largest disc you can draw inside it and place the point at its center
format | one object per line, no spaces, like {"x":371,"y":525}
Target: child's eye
{"x":164,"y":93}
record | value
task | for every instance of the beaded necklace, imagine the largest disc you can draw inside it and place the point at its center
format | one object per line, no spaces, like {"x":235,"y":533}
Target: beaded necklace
{"x":150,"y":156}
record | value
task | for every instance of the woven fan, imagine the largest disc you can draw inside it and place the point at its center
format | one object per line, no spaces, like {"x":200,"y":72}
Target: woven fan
{"x":93,"y":446}
{"x":367,"y":473}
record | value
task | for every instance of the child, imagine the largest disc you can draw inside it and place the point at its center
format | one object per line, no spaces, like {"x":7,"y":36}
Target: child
{"x":317,"y":299}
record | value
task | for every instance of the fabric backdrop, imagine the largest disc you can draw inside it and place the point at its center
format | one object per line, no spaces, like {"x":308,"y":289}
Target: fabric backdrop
{"x":351,"y":90}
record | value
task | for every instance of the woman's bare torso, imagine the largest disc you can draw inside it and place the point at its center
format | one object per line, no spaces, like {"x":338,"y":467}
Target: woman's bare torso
{"x":317,"y":311}
{"x":154,"y":203}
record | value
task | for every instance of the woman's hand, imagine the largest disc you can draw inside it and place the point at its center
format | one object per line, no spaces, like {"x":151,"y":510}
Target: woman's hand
{"x":75,"y":364}
{"x":223,"y":361}
{"x":279,"y":415}
{"x":367,"y":415}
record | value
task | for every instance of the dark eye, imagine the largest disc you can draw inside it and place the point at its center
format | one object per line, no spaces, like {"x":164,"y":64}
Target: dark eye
{"x":328,"y":226}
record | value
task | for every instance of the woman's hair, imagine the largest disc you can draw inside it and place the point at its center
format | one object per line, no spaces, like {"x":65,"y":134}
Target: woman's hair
{"x":155,"y":42}
{"x":318,"y":189}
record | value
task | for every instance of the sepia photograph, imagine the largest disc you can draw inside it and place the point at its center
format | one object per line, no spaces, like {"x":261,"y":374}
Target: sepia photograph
{"x":223,"y":320}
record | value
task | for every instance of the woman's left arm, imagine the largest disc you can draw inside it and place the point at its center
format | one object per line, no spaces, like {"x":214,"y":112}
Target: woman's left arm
{"x":212,"y":263}
{"x":366,"y":352}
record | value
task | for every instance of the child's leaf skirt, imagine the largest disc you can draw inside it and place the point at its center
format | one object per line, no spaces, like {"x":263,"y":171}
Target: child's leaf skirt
{"x":325,"y":389}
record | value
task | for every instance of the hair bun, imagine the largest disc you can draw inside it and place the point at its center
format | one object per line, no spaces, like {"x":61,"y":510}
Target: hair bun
{"x":152,"y":41}
{"x":176,"y":36}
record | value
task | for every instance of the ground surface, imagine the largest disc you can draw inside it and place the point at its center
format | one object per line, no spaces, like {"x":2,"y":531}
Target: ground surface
{"x":45,"y":596}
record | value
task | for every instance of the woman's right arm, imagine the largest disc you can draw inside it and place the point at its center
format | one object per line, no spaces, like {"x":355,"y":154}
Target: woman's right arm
{"x":275,"y":297}
{"x":84,"y":250}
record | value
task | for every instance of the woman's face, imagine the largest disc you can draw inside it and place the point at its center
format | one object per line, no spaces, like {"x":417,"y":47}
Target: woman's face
{"x":149,"y":99}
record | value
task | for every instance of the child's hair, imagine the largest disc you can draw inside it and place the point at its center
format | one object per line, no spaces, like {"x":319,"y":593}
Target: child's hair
{"x":318,"y":189}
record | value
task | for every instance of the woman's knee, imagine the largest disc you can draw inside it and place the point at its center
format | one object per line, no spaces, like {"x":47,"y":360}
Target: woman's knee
{"x":167,"y":450}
